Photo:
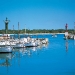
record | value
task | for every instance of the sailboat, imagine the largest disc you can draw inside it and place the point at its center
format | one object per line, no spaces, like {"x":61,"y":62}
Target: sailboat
{"x":19,"y":44}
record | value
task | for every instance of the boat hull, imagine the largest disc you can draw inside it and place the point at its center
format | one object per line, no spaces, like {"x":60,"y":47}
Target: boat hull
{"x":19,"y":45}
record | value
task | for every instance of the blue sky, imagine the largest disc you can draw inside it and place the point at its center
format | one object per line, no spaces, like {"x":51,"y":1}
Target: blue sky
{"x":38,"y":14}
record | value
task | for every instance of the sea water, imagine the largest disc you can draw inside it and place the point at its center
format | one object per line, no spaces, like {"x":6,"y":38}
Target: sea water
{"x":55,"y":58}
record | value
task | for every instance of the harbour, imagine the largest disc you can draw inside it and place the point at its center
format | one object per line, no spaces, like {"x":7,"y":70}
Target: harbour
{"x":55,"y":58}
{"x":37,"y":54}
{"x":37,"y":37}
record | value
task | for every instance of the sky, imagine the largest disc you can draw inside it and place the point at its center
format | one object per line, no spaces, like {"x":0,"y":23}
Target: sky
{"x":37,"y":14}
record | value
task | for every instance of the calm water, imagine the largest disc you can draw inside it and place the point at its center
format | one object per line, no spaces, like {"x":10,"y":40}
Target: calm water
{"x":55,"y":58}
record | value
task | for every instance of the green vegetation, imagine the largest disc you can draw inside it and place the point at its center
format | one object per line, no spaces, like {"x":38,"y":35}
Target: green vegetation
{"x":36,"y":31}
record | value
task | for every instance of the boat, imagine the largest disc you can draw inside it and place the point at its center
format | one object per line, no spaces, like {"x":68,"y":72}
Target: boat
{"x":54,"y":35}
{"x":19,"y":45}
{"x":44,"y":41}
{"x":7,"y":43}
{"x":31,"y":44}
{"x":74,"y":37}
{"x":19,"y":42}
{"x":69,"y":36}
{"x":6,"y":49}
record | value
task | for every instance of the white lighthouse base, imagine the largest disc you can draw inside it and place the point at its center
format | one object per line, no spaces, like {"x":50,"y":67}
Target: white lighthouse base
{"x":66,"y":34}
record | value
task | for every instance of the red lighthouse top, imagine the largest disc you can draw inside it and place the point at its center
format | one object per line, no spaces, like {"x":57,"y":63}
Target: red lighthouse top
{"x":66,"y":26}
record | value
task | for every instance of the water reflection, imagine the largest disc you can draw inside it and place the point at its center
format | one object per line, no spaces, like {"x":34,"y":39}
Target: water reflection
{"x":66,"y":45}
{"x":45,"y":45}
{"x":18,"y":54}
{"x":74,"y":42}
{"x":29,"y":51}
{"x":5,"y":57}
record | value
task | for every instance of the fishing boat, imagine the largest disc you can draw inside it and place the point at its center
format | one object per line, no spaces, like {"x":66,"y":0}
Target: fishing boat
{"x":6,"y":49}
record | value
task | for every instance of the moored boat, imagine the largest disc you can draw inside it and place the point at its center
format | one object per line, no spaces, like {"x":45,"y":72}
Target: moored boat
{"x":19,"y":45}
{"x":74,"y":37}
{"x":54,"y":35}
{"x":31,"y":44}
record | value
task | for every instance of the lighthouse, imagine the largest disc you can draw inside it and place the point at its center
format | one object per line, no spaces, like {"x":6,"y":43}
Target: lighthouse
{"x":6,"y":35}
{"x":66,"y":27}
{"x":66,"y":31}
{"x":6,"y":25}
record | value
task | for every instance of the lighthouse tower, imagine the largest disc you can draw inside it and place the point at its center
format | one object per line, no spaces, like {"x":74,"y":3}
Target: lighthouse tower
{"x":6,"y":25}
{"x":66,"y":27}
{"x":66,"y":32}
{"x":6,"y":35}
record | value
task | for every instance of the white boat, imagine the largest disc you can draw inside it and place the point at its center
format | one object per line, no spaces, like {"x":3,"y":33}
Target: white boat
{"x":70,"y":36}
{"x":31,"y":44}
{"x":38,"y":42}
{"x":74,"y":37}
{"x":54,"y":35}
{"x":19,"y":45}
{"x":7,"y":43}
{"x":6,"y":49}
{"x":44,"y":41}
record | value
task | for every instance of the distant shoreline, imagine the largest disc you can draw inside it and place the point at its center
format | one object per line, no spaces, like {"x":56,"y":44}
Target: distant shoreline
{"x":36,"y":34}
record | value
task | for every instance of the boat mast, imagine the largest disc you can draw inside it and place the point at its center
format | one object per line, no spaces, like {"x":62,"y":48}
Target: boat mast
{"x":25,"y":29}
{"x":13,"y":31}
{"x":18,"y":31}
